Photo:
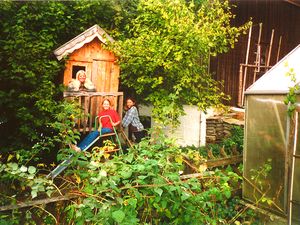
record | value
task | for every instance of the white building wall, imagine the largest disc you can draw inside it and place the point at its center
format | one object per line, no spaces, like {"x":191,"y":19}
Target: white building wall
{"x":192,"y":127}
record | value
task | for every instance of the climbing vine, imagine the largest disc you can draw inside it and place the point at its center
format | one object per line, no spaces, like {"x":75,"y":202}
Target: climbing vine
{"x":291,"y":96}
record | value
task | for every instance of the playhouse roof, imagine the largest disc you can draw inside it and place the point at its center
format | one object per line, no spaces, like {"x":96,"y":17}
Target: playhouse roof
{"x":82,"y":39}
{"x":275,"y":81}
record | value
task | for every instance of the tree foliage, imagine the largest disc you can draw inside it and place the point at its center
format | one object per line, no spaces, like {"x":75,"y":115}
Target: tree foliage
{"x":167,"y":55}
{"x":30,"y":74}
{"x":29,"y":34}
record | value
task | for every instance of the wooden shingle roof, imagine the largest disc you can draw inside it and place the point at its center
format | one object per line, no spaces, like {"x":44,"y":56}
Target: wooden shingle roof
{"x":82,"y":39}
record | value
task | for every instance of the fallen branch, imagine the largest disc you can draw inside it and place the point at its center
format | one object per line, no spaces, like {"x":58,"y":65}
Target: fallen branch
{"x":224,"y":161}
{"x":37,"y":202}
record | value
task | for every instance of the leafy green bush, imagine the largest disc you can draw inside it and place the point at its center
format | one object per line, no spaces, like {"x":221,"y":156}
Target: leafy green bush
{"x":236,"y":139}
{"x":145,"y":187}
{"x":234,"y":142}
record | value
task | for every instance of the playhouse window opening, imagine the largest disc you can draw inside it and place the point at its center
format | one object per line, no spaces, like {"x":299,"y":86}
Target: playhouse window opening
{"x":75,"y":69}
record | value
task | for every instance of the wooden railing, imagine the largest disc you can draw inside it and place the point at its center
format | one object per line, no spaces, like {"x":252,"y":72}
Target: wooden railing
{"x":91,"y":103}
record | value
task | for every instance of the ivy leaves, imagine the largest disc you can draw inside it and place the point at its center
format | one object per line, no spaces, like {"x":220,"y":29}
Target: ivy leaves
{"x":291,"y":96}
{"x":28,"y":72}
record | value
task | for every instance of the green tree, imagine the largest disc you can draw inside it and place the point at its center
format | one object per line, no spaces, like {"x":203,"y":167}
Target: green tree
{"x":28,"y":69}
{"x":166,"y":57}
{"x":30,"y":73}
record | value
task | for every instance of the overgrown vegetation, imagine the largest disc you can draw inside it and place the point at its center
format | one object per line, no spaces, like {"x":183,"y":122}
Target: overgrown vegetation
{"x":291,"y":97}
{"x":143,"y":186}
{"x":164,"y":50}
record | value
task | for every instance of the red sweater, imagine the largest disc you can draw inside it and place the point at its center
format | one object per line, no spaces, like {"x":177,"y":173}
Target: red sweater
{"x":105,"y":121}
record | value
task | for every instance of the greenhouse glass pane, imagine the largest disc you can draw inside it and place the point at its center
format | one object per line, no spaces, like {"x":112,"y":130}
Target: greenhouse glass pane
{"x":265,"y":138}
{"x":296,"y":192}
{"x":296,"y":180}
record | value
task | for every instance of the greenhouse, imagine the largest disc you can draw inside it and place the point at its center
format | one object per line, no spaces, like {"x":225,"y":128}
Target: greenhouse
{"x":271,"y":148}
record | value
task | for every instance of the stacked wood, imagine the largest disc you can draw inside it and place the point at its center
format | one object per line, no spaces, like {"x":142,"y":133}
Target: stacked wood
{"x":211,"y":133}
{"x":218,"y":128}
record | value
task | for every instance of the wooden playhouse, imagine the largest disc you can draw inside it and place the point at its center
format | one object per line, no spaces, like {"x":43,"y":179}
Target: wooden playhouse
{"x":86,"y":53}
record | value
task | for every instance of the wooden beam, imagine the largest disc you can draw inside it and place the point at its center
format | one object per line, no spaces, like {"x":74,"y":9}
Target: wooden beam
{"x":253,"y":66}
{"x":294,"y":2}
{"x":224,"y":161}
{"x":270,"y":48}
{"x":240,"y":96}
{"x":37,"y":202}
{"x":214,"y":163}
{"x":197,"y":175}
{"x":246,"y":62}
{"x":279,"y":47}
{"x":86,"y":93}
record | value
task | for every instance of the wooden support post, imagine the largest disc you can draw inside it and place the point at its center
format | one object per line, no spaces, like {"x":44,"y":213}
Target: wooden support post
{"x":86,"y":104}
{"x":258,"y":54}
{"x":240,"y":86}
{"x":92,"y":110}
{"x":120,"y":104}
{"x":210,"y":154}
{"x":246,"y":62}
{"x":278,"y":50}
{"x":270,"y":48}
{"x":97,"y":105}
{"x":79,"y":119}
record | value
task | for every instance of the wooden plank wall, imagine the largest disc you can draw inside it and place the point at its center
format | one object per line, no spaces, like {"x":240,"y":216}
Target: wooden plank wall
{"x":91,"y":103}
{"x":279,"y":15}
{"x":100,"y":65}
